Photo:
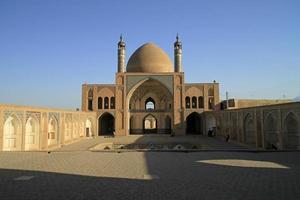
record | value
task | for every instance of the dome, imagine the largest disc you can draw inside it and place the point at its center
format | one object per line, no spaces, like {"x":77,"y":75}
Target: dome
{"x":151,"y":59}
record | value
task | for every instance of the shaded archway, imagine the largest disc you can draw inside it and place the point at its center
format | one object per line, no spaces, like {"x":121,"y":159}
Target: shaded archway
{"x":12,"y":134}
{"x":150,"y":124}
{"x":271,"y":138}
{"x":32,"y":134}
{"x":106,"y":124}
{"x":193,"y":124}
{"x":291,"y":131}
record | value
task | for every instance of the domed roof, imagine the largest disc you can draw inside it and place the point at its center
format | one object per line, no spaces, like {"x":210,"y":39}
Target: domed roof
{"x":151,"y":59}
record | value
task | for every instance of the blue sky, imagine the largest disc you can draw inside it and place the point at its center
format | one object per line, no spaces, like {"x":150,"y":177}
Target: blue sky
{"x":48,"y":49}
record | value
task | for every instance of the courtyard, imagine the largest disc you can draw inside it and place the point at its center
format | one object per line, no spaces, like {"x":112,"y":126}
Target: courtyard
{"x":75,"y":172}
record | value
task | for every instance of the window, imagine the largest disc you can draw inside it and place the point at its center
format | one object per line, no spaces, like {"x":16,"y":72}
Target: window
{"x":201,"y":102}
{"x":187,"y":102}
{"x":90,"y":100}
{"x":106,"y":103}
{"x":90,"y":104}
{"x":90,"y":93}
{"x":194,"y":102}
{"x":112,"y":102}
{"x":100,"y":103}
{"x":210,"y":92}
{"x":210,"y":103}
{"x":149,"y":104}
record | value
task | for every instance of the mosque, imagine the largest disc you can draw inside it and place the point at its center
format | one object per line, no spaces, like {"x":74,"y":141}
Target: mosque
{"x":150,"y":96}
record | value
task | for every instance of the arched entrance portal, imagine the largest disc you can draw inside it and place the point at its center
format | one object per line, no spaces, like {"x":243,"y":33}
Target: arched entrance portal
{"x":193,"y":124}
{"x":150,"y":125}
{"x":106,"y":124}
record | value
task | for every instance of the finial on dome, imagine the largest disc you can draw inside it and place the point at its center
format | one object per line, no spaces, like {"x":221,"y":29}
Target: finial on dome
{"x":121,"y":37}
{"x":177,"y":38}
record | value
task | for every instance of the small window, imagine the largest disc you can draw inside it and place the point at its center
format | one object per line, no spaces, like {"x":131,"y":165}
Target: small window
{"x":106,"y":103}
{"x":112,"y":102}
{"x":210,"y":92}
{"x":90,"y":104}
{"x":100,"y":103}
{"x":90,"y":93}
{"x":149,"y":104}
{"x":187,"y":102}
{"x":194,"y":102}
{"x":201,"y":102}
{"x":210,"y":103}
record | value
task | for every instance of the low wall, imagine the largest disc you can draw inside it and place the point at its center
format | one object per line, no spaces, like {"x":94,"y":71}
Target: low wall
{"x":268,"y":127}
{"x":26,"y":128}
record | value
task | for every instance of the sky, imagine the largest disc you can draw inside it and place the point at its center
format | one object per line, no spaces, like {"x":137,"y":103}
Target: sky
{"x":49,"y":48}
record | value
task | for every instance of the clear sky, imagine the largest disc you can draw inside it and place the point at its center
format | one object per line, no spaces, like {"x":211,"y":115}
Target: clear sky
{"x":48,"y":49}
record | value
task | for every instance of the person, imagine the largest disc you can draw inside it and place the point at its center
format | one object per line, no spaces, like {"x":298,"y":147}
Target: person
{"x":209,"y":133}
{"x":214,"y":132}
{"x":227,"y":137}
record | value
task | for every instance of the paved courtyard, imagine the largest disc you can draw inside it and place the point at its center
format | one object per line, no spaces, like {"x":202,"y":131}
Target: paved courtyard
{"x":73,"y":172}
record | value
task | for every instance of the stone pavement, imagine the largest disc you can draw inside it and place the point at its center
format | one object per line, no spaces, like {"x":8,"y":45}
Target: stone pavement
{"x":76,"y":173}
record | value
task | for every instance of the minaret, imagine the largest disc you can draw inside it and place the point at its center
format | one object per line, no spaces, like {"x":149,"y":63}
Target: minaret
{"x":178,"y":55}
{"x":121,"y":55}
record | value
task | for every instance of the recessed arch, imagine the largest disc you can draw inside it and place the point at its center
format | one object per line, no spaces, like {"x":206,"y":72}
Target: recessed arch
{"x":291,"y":127}
{"x":271,"y":131}
{"x":53,"y":131}
{"x":12,"y":133}
{"x":32,"y":133}
{"x":249,"y":131}
{"x":68,"y":128}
